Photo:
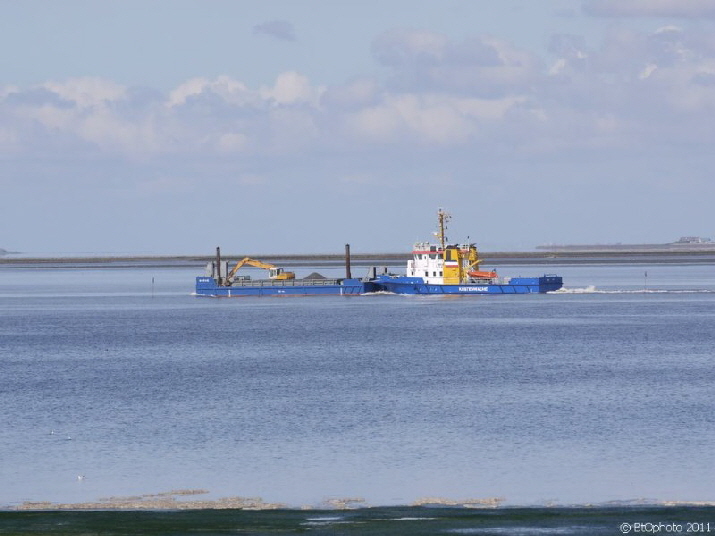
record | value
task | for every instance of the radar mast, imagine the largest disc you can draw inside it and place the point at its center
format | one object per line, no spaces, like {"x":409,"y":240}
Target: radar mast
{"x":442,"y":218}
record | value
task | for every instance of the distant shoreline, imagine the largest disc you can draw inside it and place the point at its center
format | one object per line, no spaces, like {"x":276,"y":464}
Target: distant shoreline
{"x":621,"y":256}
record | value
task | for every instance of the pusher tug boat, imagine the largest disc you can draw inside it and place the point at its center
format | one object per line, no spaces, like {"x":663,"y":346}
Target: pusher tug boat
{"x":454,"y":269}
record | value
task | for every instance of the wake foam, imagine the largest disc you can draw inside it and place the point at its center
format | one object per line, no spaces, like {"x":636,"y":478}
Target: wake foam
{"x":591,"y":289}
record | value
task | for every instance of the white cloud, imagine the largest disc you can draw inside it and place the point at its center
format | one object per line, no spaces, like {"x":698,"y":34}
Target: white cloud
{"x":8,"y":90}
{"x":648,"y":70}
{"x":427,"y":118}
{"x":375,"y":124}
{"x":435,"y":122}
{"x":192,"y":87}
{"x":87,"y":92}
{"x":492,"y":110}
{"x":400,"y":47}
{"x":426,"y":61}
{"x":438,"y":94}
{"x":480,"y":111}
{"x":232,"y":91}
{"x":650,"y":8}
{"x":291,"y":88}
{"x":354,"y":94}
{"x":51,"y":117}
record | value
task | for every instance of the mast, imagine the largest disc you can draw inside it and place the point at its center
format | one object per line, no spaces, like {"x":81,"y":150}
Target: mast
{"x":218,"y":266}
{"x":348,"y":274}
{"x":442,"y":217}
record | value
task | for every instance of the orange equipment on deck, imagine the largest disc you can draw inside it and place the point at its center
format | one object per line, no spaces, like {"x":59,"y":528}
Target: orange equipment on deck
{"x":487,"y":275}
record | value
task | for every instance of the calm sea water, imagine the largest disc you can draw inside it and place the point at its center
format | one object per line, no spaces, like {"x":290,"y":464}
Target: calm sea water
{"x":601,"y":393}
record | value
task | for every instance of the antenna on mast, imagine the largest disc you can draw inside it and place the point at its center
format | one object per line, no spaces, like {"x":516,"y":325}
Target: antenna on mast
{"x":442,"y":218}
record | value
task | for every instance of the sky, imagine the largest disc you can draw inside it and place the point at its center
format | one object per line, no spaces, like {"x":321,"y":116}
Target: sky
{"x":290,"y":126}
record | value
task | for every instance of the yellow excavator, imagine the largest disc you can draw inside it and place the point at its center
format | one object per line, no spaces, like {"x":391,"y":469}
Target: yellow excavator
{"x":273,"y":271}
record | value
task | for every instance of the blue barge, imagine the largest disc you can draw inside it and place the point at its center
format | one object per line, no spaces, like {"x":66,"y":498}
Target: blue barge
{"x":440,"y":268}
{"x":207,"y":286}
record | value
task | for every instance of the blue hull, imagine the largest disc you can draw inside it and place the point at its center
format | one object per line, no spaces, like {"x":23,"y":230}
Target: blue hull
{"x":206,"y":286}
{"x":517,"y":285}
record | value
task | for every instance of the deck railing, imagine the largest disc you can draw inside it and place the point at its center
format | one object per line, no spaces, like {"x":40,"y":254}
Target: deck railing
{"x":285,"y":282}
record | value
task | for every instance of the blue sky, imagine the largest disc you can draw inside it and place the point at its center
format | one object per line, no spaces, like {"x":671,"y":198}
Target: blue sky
{"x":289,"y":126}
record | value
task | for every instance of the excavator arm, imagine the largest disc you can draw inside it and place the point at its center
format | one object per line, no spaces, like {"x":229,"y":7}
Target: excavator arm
{"x":274,"y":271}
